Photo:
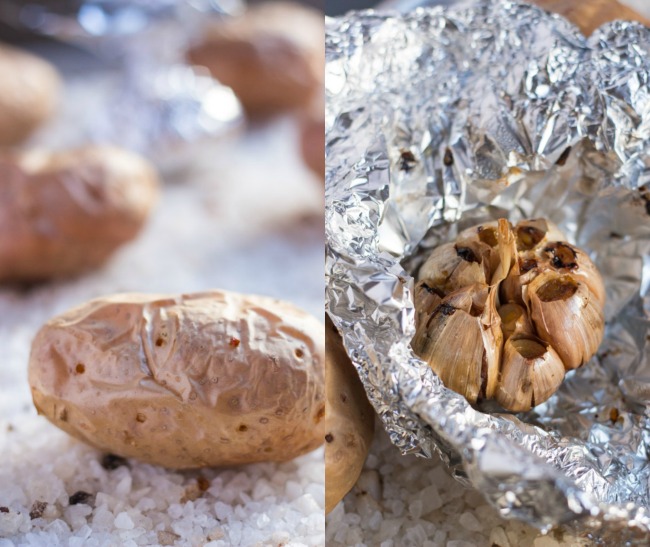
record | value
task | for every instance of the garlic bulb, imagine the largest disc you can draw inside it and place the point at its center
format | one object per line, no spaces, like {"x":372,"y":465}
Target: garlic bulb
{"x":503,"y":312}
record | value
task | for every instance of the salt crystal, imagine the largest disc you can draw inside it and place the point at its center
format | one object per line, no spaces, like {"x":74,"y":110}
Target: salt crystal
{"x":375,"y":521}
{"x":545,"y":541}
{"x":10,"y":523}
{"x":123,"y":521}
{"x":216,"y":533}
{"x":146,"y":504}
{"x":352,"y":518}
{"x":175,"y":510}
{"x":123,"y":487}
{"x":341,"y":533}
{"x":498,"y":537}
{"x":222,"y":510}
{"x":103,"y":518}
{"x":262,"y":490}
{"x":388,"y":543}
{"x":262,"y":521}
{"x":397,"y":507}
{"x":440,"y":538}
{"x":306,"y":505}
{"x":389,"y":528}
{"x":468,"y":521}
{"x":416,"y":535}
{"x":293,"y":489}
{"x":235,"y":533}
{"x":415,"y":509}
{"x":431,"y":499}
{"x":354,"y":537}
{"x":76,"y":515}
{"x":369,"y":482}
{"x":460,"y":543}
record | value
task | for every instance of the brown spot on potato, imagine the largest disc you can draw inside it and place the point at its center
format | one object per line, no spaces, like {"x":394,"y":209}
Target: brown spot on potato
{"x":140,"y":418}
{"x":299,"y":353}
{"x":329,"y":438}
{"x":242,"y":428}
{"x":159,"y":341}
{"x":320,"y":414}
{"x":234,"y":342}
{"x":80,"y":368}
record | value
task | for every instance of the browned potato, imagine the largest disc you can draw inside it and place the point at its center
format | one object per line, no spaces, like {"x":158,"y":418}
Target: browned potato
{"x":28,"y":95}
{"x":349,"y":421}
{"x":206,"y":379}
{"x":312,"y":137}
{"x":272,"y":56}
{"x":62,"y":213}
{"x":590,"y":15}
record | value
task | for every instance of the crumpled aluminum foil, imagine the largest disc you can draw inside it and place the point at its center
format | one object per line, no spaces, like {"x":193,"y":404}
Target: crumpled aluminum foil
{"x":441,"y":119}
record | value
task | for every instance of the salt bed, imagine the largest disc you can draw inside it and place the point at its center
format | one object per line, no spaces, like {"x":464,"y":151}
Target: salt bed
{"x":232,"y":223}
{"x":405,"y":501}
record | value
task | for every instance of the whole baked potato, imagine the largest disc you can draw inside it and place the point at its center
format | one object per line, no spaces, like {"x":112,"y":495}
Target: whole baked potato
{"x":28,"y":95}
{"x":272,"y":56}
{"x":62,"y":213}
{"x":205,"y":379}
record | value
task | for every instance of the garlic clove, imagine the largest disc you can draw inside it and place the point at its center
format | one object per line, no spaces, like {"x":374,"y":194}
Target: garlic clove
{"x":454,"y":265}
{"x":514,"y":319}
{"x":566,"y":258}
{"x":531,"y":373}
{"x":532,"y":233}
{"x":492,"y":342}
{"x":427,"y":299}
{"x":567,"y":315}
{"x":451,"y":341}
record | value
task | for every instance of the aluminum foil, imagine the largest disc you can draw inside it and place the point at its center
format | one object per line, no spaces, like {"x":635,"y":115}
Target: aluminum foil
{"x":444,"y":118}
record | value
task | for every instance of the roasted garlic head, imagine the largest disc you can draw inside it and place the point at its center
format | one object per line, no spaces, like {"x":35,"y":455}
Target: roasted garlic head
{"x":503,"y":312}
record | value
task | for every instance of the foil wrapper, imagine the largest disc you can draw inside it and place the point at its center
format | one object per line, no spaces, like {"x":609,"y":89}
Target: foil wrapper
{"x":444,"y":118}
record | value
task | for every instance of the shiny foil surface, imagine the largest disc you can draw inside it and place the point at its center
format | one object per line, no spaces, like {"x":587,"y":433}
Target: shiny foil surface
{"x":441,"y":119}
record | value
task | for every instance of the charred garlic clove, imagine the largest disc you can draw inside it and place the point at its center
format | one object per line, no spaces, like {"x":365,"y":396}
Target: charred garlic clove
{"x":452,"y":343}
{"x":566,"y":314}
{"x":531,"y":372}
{"x":502,"y":312}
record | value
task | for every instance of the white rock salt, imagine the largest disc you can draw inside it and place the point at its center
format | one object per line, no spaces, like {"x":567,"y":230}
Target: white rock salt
{"x":389,"y":528}
{"x":222,"y":510}
{"x":415,"y":509}
{"x":123,"y":521}
{"x":431,"y":499}
{"x":545,"y":541}
{"x":498,"y":537}
{"x":468,"y":521}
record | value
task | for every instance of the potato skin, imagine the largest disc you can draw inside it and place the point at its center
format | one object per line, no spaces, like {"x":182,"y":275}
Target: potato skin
{"x":205,"y":379}
{"x":272,"y":56}
{"x":349,"y":421}
{"x":29,"y":95}
{"x":63,"y":213}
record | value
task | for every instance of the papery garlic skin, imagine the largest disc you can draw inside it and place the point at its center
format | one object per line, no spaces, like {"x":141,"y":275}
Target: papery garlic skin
{"x":504,"y":311}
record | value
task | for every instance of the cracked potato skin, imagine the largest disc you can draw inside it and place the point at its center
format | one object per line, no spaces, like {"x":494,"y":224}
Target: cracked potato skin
{"x":205,"y":379}
{"x":349,"y":421}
